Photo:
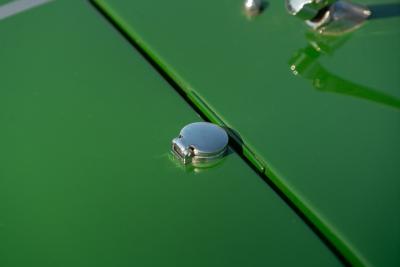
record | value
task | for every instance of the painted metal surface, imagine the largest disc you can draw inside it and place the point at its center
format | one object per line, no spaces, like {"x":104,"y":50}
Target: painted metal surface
{"x":13,"y":8}
{"x":320,"y":116}
{"x":85,"y":177}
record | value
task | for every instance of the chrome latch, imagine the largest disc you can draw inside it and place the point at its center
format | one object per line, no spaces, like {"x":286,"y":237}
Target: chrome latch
{"x":200,"y":142}
{"x":330,"y":17}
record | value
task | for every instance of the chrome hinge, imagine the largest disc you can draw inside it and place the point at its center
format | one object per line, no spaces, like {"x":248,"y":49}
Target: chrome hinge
{"x":330,"y":17}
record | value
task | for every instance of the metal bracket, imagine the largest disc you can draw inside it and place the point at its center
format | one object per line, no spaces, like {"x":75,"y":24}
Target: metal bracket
{"x":329,"y":17}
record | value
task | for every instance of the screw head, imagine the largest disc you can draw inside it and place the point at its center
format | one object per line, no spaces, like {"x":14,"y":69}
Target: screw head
{"x":253,"y":7}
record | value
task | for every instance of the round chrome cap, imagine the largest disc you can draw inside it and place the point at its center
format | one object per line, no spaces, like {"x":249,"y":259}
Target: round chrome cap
{"x":200,"y":142}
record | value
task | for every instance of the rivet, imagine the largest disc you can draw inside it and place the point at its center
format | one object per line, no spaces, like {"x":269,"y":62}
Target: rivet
{"x":253,"y":7}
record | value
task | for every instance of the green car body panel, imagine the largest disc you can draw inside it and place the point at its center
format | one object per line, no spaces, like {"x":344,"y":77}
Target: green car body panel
{"x":319,"y":116}
{"x":86,"y":178}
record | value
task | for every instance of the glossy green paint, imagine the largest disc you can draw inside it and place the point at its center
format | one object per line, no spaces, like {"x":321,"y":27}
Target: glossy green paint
{"x":323,"y":124}
{"x":85,"y":175}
